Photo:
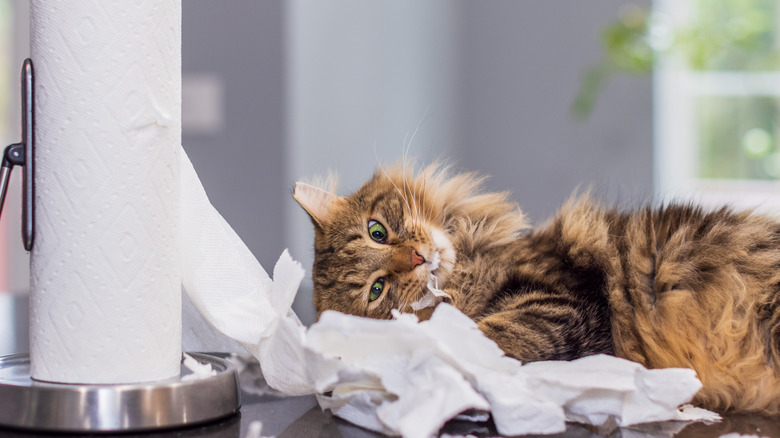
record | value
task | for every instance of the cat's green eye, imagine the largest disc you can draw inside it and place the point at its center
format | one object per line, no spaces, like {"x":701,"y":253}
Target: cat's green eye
{"x":377,"y":231}
{"x":376,"y":289}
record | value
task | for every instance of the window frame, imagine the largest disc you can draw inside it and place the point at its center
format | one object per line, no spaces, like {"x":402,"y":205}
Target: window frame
{"x":676,"y":90}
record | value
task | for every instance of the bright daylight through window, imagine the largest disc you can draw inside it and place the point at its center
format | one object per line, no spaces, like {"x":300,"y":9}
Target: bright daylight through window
{"x":717,"y":90}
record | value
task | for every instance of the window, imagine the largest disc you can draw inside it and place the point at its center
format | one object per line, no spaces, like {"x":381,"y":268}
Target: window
{"x":717,"y":102}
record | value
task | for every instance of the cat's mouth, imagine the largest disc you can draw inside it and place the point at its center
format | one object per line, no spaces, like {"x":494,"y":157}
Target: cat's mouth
{"x":433,"y":279}
{"x":439,"y":266}
{"x":433,"y":294}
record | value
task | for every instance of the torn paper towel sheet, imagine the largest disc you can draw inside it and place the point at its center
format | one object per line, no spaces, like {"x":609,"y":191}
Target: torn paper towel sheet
{"x":401,"y":376}
{"x":197,"y":370}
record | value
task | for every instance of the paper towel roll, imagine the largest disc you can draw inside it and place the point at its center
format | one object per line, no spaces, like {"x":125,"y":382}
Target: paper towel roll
{"x":105,"y":299}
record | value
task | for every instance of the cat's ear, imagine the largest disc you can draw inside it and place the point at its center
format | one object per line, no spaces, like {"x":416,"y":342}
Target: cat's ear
{"x":315,"y":201}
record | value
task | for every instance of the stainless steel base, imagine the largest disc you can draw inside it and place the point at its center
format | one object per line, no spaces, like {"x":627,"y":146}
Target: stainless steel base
{"x":29,"y":404}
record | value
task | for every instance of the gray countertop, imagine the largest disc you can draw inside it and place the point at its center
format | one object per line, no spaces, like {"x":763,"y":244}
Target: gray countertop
{"x":283,"y":416}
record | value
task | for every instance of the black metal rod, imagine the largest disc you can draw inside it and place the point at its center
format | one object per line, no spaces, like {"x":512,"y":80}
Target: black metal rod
{"x":5,"y":174}
{"x":28,"y":139}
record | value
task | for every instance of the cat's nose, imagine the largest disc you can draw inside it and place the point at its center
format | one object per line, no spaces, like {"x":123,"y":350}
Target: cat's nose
{"x":417,"y":259}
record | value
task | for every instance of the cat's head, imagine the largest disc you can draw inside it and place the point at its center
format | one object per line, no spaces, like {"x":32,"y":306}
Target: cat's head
{"x":378,"y":248}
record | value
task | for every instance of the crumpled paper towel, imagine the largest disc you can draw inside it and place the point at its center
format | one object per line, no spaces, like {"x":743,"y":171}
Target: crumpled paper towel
{"x":407,"y":377}
{"x":401,"y":376}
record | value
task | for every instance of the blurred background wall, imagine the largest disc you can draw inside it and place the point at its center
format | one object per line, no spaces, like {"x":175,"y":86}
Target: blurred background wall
{"x":276,"y":91}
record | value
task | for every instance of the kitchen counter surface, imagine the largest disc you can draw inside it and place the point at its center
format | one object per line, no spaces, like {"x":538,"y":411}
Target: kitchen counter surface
{"x":294,"y":417}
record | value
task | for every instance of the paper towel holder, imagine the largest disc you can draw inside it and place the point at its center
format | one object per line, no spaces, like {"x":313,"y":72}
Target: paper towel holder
{"x":26,"y":403}
{"x":21,"y":154}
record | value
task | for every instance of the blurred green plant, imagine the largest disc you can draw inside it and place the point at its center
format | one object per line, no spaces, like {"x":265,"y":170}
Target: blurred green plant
{"x":721,"y":35}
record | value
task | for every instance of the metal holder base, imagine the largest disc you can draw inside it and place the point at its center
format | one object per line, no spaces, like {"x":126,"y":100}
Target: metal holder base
{"x":30,"y":404}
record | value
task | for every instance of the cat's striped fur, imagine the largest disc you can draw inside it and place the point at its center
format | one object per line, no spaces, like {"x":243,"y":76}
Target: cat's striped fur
{"x":674,"y":286}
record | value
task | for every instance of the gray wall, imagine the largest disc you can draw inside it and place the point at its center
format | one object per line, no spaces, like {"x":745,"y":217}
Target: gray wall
{"x":520,"y":67}
{"x":308,"y":86}
{"x":240,"y":43}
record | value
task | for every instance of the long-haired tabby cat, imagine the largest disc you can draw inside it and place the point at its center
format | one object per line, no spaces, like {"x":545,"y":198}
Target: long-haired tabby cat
{"x":674,"y":286}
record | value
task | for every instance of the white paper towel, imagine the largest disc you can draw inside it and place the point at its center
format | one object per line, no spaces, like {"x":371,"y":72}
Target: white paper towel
{"x":105,"y":300}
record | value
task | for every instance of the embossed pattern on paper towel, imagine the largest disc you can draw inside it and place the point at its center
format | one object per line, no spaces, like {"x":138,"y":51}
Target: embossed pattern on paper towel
{"x":105,"y":303}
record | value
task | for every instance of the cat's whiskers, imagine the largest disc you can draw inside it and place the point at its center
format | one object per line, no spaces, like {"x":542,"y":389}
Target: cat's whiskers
{"x":424,"y":184}
{"x":420,"y":200}
{"x":400,"y":193}
{"x":417,"y":213}
{"x":384,"y":172}
{"x":407,"y":186}
{"x":403,"y":306}
{"x":406,"y":298}
{"x":408,"y":190}
{"x":415,"y":203}
{"x":405,"y":163}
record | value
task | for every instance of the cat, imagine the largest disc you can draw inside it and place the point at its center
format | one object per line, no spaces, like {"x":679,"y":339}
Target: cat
{"x":667,"y":286}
